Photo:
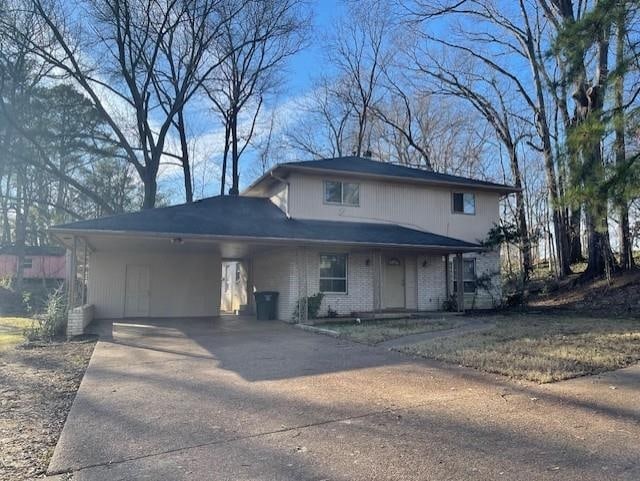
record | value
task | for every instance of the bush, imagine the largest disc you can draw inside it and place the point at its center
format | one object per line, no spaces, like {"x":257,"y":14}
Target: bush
{"x":51,"y":323}
{"x":313,"y":306}
{"x":451,"y":304}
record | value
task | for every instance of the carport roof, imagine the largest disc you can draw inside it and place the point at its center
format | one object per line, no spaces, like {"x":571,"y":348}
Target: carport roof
{"x":254,"y":219}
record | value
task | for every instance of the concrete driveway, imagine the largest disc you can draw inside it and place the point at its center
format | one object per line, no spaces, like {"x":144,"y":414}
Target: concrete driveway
{"x":234,"y":399}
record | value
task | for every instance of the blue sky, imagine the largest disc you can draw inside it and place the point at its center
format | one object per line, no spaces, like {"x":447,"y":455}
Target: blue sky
{"x":309,"y":62}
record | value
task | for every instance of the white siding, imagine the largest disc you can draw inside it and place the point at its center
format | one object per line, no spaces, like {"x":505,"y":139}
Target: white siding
{"x":181,"y":285}
{"x":423,"y":207}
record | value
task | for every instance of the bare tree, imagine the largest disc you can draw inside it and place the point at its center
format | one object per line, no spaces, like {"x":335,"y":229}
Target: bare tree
{"x":120,"y":54}
{"x":256,"y":44}
{"x":361,"y":46}
{"x":322,"y":126}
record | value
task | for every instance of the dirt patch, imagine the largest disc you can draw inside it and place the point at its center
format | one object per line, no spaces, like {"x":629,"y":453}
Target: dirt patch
{"x":619,"y":296}
{"x":37,"y":388}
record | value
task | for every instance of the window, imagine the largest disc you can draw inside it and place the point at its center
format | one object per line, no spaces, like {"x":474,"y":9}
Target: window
{"x":27,"y":263}
{"x":468,"y":276}
{"x":464,"y":203}
{"x":343,"y":193}
{"x":333,"y":273}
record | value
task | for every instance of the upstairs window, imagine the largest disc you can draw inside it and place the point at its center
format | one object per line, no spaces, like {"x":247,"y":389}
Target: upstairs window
{"x":464,"y":203}
{"x":342,"y":193}
{"x":333,"y":273}
{"x":27,"y":263}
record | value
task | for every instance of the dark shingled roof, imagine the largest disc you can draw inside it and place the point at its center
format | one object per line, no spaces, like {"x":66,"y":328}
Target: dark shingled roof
{"x":258,"y":218}
{"x":360,"y":165}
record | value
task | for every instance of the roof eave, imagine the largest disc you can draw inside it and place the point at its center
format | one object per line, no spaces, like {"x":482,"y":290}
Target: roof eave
{"x":58,"y":231}
{"x":503,"y":189}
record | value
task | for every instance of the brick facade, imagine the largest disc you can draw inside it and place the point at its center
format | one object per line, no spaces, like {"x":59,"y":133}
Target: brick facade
{"x":295,"y":271}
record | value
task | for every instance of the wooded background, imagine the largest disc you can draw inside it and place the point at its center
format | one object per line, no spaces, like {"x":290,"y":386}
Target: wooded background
{"x":97,"y":98}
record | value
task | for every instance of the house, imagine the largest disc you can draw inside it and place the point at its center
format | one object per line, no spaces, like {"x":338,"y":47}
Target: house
{"x":370,"y":236}
{"x":38,"y":263}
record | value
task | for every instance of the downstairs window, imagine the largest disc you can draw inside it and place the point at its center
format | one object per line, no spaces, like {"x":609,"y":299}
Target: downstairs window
{"x":333,"y":273}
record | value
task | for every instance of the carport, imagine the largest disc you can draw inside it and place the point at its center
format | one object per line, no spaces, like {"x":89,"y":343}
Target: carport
{"x":167,"y":262}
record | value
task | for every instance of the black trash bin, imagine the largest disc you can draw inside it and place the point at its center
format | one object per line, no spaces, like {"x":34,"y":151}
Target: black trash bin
{"x":266,"y":305}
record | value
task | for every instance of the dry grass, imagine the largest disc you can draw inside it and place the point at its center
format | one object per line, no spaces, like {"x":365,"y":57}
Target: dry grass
{"x":12,"y":331}
{"x":374,"y":332}
{"x":541,"y":348}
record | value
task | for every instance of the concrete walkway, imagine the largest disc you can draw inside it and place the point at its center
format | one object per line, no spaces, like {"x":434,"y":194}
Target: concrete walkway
{"x":241,"y":400}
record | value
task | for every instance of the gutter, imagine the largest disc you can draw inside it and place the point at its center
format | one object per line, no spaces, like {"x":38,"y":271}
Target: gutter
{"x":270,"y":240}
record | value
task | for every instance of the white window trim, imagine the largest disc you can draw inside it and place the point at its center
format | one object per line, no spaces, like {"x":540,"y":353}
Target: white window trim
{"x":346,"y":274}
{"x":341,"y":203}
{"x":454,"y":211}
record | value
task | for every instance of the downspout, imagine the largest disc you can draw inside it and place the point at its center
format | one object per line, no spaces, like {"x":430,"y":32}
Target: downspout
{"x":286,"y":183}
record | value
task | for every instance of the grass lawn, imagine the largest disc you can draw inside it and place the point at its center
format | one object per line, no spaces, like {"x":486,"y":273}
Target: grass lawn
{"x":373,"y":332}
{"x":541,"y":348}
{"x":11,"y":331}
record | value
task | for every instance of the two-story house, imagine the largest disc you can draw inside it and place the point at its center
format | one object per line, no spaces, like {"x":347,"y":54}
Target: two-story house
{"x":370,"y":236}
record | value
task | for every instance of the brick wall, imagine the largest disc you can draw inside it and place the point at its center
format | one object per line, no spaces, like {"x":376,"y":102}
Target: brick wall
{"x":431,"y":282}
{"x":360,"y":285}
{"x":285,"y":271}
{"x":78,"y":318}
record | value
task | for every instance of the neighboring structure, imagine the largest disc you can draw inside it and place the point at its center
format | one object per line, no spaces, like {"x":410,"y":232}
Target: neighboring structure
{"x":39,"y":262}
{"x":371,"y":236}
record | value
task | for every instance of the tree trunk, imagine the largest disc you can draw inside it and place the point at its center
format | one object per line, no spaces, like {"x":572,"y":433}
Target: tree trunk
{"x":21,"y":230}
{"x":525,"y":242}
{"x":186,"y":165}
{"x":542,"y":127}
{"x":225,"y":156}
{"x":573,"y":235}
{"x":626,"y":252}
{"x":235,"y":180}
{"x":150,"y":191}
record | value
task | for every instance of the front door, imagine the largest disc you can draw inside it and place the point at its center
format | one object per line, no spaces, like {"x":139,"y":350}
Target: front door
{"x":393,"y":285}
{"x":136,"y":294}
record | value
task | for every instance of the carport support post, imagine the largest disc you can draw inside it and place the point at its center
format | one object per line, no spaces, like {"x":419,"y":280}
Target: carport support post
{"x":459,"y":282}
{"x":73,"y":263}
{"x":447,"y":281}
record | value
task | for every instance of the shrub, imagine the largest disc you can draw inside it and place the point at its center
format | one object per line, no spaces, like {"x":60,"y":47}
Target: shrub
{"x":313,"y":306}
{"x":451,"y":304}
{"x":50,"y":324}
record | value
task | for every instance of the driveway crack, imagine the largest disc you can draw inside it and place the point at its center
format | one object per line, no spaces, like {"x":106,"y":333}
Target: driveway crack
{"x":251,"y":436}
